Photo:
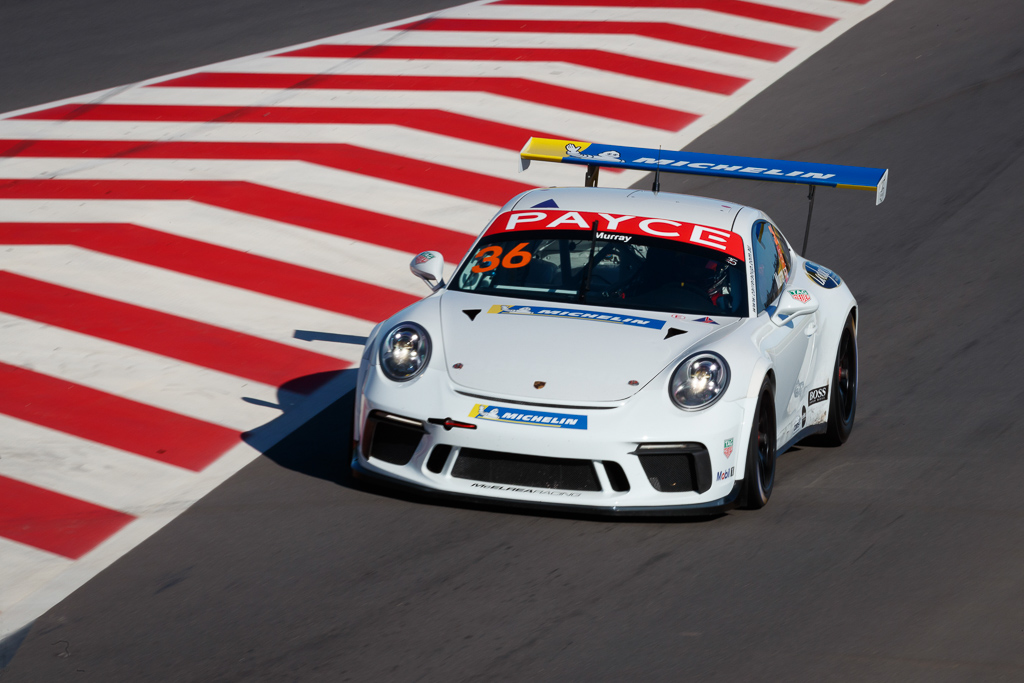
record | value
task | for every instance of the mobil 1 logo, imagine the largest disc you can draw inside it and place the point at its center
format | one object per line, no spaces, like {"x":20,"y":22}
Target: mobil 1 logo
{"x":817,"y":395}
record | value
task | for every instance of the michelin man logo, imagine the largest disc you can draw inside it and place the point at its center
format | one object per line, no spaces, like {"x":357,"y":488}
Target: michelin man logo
{"x":518,"y":310}
{"x":572,"y":150}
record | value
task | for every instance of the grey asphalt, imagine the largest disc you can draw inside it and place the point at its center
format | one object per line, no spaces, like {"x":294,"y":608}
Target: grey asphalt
{"x":897,"y":557}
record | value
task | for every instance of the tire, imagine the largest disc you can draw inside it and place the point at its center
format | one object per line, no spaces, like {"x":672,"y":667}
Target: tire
{"x":842,"y":407}
{"x":759,"y":479}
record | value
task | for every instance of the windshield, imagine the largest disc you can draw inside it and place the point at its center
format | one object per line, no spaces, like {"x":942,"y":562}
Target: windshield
{"x":627,"y":271}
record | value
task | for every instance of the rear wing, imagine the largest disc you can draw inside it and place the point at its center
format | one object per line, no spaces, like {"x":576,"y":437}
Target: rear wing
{"x":594,"y":156}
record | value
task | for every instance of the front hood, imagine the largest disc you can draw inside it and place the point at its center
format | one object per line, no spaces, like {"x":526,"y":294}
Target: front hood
{"x":580,"y":352}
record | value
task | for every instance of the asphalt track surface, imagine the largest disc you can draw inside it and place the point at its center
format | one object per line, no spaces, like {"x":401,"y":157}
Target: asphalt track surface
{"x":899,"y":556}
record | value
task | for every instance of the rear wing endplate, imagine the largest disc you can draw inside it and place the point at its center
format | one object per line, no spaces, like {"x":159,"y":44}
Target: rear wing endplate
{"x":594,"y":156}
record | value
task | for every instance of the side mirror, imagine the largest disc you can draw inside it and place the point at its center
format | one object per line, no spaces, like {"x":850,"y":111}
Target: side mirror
{"x":429,"y":267}
{"x":792,"y":304}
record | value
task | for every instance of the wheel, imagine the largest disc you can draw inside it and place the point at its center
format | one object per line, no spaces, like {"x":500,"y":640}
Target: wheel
{"x":760,"y":472}
{"x":842,"y":407}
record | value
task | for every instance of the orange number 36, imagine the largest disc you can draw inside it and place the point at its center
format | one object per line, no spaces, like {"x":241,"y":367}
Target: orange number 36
{"x":491,"y":258}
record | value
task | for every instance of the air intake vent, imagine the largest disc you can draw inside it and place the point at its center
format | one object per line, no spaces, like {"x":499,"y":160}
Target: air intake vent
{"x":677,"y":467}
{"x":526,"y":470}
{"x":391,"y":440}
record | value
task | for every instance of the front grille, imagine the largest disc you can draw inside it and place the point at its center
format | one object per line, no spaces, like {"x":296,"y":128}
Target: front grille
{"x":390,"y":441}
{"x":686,"y":467}
{"x":525,"y":470}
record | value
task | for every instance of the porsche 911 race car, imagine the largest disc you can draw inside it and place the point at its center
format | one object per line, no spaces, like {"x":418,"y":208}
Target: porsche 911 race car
{"x":615,"y":350}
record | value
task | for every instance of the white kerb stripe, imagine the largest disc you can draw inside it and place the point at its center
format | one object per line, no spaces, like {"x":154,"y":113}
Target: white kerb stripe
{"x":189,"y":297}
{"x":405,"y":142}
{"x":299,"y":177}
{"x":86,"y":470}
{"x":141,"y":376}
{"x":241,"y":232}
{"x":555,"y":73}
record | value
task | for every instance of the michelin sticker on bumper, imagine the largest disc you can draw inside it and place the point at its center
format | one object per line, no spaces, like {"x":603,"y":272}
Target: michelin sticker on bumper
{"x":530,"y":417}
{"x":579,"y":314}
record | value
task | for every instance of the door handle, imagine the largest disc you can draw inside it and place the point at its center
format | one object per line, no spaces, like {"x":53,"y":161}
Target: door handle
{"x":811,"y":329}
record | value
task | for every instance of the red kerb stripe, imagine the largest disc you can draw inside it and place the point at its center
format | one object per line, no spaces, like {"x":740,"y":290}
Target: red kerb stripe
{"x":111,"y":420}
{"x":53,"y":522}
{"x":594,"y":59}
{"x":191,"y":341}
{"x":430,"y":120}
{"x":516,"y":88}
{"x":256,"y":200}
{"x":684,"y":35}
{"x":219,"y":264}
{"x":399,"y":169}
{"x":739,"y":8}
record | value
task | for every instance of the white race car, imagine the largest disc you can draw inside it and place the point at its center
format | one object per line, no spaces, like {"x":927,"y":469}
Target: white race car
{"x":615,"y":350}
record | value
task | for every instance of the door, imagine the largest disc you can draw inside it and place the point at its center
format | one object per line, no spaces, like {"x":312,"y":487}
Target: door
{"x":790,"y":345}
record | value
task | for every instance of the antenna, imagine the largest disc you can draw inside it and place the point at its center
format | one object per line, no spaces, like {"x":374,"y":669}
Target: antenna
{"x":657,"y":174}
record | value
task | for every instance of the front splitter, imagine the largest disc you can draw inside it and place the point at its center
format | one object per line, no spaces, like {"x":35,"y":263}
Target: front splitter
{"x":709,"y":509}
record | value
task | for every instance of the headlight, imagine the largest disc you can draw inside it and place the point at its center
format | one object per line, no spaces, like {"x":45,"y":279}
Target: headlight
{"x":699,"y":381}
{"x":404,"y":351}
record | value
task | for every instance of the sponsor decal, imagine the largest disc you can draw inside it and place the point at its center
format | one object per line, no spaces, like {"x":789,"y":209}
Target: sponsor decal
{"x":817,"y":395}
{"x":706,"y":320}
{"x":614,"y":237}
{"x":529,"y":417}
{"x":617,"y":226}
{"x":490,"y":258}
{"x":727,"y":448}
{"x":579,"y":314}
{"x":800,"y":295}
{"x":424,"y":257}
{"x":710,"y":167}
{"x":822,"y":276}
{"x":750,"y":279}
{"x":519,"y":489}
{"x":576,"y":152}
{"x":725,"y":474}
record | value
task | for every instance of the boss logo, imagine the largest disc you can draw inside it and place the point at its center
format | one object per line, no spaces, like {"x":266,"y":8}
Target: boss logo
{"x":817,"y":395}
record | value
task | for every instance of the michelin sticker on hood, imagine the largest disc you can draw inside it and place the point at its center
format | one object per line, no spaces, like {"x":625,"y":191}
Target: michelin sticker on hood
{"x":530,"y":417}
{"x":579,"y":314}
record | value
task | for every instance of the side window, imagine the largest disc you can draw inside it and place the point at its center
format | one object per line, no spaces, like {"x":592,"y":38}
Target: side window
{"x":771,"y":263}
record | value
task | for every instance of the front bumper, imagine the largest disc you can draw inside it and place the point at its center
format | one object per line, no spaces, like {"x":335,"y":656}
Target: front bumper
{"x":612,"y":438}
{"x":696,"y":509}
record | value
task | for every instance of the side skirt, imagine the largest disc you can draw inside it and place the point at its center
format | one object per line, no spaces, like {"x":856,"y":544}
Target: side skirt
{"x":801,"y":435}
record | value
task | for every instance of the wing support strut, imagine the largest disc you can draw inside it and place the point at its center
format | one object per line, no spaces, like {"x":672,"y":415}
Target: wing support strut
{"x":810,"y":210}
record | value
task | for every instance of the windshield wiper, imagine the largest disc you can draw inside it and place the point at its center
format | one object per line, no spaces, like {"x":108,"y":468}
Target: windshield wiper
{"x":585,"y":287}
